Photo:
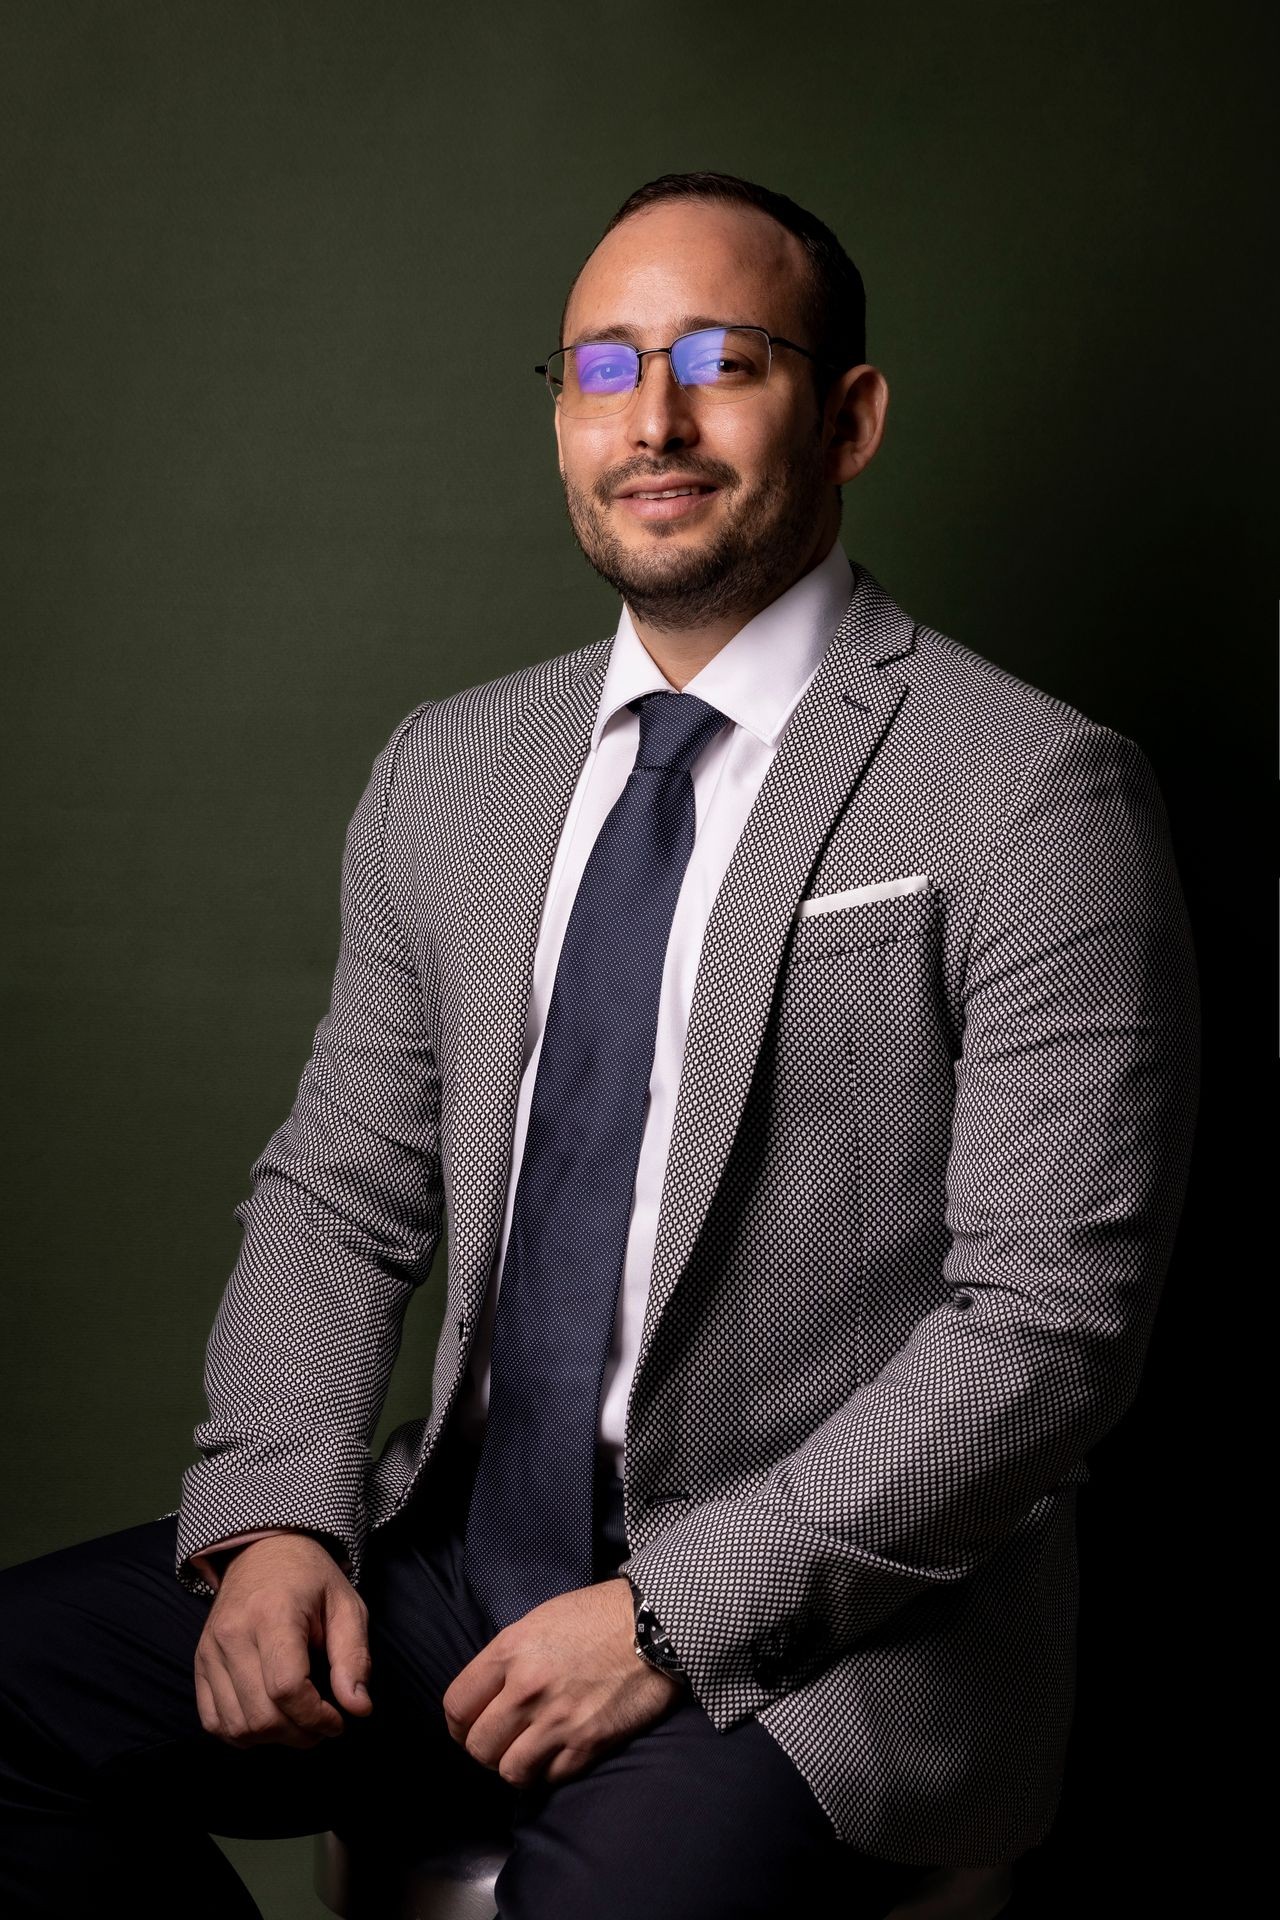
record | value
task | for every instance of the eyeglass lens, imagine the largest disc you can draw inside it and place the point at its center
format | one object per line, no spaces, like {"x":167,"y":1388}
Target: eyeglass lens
{"x":599,"y":376}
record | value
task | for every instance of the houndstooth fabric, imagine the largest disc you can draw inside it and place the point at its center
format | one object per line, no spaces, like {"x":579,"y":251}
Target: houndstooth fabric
{"x":928,"y":1158}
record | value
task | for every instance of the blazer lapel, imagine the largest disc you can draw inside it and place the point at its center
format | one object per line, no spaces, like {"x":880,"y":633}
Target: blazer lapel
{"x":828,"y":742}
{"x":491,"y":980}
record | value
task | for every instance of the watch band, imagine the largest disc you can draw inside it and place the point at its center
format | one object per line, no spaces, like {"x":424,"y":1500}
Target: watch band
{"x":651,"y":1642}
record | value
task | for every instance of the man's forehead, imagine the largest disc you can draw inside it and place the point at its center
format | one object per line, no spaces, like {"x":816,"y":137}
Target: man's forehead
{"x":683,"y":323}
{"x":646,"y":255}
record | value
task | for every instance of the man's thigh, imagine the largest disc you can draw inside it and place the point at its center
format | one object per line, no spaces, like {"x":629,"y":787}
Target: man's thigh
{"x":693,"y":1824}
{"x":98,"y":1694}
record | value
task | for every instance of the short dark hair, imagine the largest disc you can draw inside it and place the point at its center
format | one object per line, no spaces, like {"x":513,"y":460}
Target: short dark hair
{"x":834,"y":302}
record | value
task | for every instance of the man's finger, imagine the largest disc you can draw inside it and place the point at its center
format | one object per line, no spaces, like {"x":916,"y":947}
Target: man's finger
{"x":493,"y":1732}
{"x":229,"y":1720}
{"x":288,"y":1685}
{"x":569,"y":1761}
{"x":529,"y":1756}
{"x":469,"y":1692}
{"x":206,"y":1704}
{"x":347,"y":1647}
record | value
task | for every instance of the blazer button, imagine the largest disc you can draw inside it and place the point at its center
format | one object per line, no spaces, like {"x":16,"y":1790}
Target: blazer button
{"x":768,"y":1662}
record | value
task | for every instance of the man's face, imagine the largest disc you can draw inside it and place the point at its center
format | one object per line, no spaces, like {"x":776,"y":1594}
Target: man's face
{"x":773,"y":507}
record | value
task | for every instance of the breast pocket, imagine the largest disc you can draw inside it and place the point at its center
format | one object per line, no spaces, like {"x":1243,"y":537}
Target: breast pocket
{"x":821,"y":930}
{"x":860,"y":994}
{"x":864,"y":1005}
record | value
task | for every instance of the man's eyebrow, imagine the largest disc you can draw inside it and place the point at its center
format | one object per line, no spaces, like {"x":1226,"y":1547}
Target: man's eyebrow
{"x":685,"y":324}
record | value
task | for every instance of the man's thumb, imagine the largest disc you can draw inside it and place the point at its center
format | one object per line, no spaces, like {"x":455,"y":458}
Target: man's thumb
{"x":349,"y":1663}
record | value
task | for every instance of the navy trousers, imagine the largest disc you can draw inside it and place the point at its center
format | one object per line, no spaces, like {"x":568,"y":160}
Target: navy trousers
{"x":110,"y":1787}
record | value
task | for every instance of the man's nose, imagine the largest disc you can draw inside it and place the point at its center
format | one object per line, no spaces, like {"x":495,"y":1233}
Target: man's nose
{"x":661,"y":410}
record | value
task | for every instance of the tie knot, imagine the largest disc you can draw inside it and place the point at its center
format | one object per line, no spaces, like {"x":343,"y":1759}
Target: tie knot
{"x":674,"y":728}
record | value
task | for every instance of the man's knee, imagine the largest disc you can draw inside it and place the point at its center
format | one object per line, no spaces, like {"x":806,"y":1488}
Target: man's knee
{"x":681,"y":1820}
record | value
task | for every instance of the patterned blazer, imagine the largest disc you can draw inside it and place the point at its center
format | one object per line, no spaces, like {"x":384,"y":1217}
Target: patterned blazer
{"x":928,"y":1158}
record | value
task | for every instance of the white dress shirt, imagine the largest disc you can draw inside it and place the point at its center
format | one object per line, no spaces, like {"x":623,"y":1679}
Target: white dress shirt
{"x":756,"y":680}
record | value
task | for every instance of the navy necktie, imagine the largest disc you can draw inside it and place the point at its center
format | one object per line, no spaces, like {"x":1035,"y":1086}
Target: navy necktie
{"x":529,"y":1529}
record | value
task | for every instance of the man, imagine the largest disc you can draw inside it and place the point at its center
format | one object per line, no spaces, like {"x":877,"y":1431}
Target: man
{"x":794,"y":1019}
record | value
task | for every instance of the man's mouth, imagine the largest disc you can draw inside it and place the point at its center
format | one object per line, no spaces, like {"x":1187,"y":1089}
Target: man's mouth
{"x":666,"y":493}
{"x":666,"y":503}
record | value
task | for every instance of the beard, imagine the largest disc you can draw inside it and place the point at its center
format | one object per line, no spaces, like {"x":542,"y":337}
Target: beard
{"x":674,"y":584}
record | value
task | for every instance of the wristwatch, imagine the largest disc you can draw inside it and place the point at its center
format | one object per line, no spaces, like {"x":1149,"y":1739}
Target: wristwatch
{"x":651,"y":1641}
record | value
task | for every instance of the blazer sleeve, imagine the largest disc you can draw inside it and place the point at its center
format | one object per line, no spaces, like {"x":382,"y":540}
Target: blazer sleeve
{"x":341,"y":1225}
{"x":1076,"y":1094}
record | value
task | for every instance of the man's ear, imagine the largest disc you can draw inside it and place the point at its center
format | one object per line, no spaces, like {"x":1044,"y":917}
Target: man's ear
{"x":853,"y":419}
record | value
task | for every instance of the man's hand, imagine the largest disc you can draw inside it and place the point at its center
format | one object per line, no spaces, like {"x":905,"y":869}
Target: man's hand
{"x":279,"y":1598}
{"x":557,"y":1688}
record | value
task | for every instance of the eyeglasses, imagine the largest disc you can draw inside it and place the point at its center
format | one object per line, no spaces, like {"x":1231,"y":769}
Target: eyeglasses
{"x":596,"y":377}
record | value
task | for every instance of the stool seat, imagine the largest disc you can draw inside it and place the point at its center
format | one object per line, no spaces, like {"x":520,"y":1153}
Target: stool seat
{"x":457,"y":1883}
{"x":454,"y":1883}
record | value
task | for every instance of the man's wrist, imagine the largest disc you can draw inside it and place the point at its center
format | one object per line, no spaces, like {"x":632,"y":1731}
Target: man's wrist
{"x":222,"y":1556}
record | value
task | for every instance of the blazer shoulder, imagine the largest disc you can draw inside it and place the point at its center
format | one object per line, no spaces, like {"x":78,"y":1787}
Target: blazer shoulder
{"x":494,"y":706}
{"x":970,"y":685}
{"x":997,"y":750}
{"x":992,"y":722}
{"x":960,"y":699}
{"x":464,"y":733}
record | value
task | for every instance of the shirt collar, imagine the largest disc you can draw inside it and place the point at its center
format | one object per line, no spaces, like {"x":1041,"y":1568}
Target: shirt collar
{"x":757,"y":678}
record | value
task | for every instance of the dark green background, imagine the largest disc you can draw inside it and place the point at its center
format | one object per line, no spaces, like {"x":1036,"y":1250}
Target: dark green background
{"x":276,"y":469}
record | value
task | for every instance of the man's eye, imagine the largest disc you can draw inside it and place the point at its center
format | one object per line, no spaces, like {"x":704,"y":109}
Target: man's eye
{"x":600,"y":373}
{"x":717,"y":366}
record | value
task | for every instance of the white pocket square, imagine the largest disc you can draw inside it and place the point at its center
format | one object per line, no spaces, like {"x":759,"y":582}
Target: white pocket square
{"x":854,"y":896}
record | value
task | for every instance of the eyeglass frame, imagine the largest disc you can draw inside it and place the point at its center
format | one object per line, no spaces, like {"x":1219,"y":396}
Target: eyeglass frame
{"x":727,"y":326}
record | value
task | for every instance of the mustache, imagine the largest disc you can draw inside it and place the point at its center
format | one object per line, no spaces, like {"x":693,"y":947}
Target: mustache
{"x":712,"y":476}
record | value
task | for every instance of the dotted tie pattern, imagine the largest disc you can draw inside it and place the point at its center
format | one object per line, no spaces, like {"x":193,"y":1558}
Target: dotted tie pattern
{"x":529,"y":1527}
